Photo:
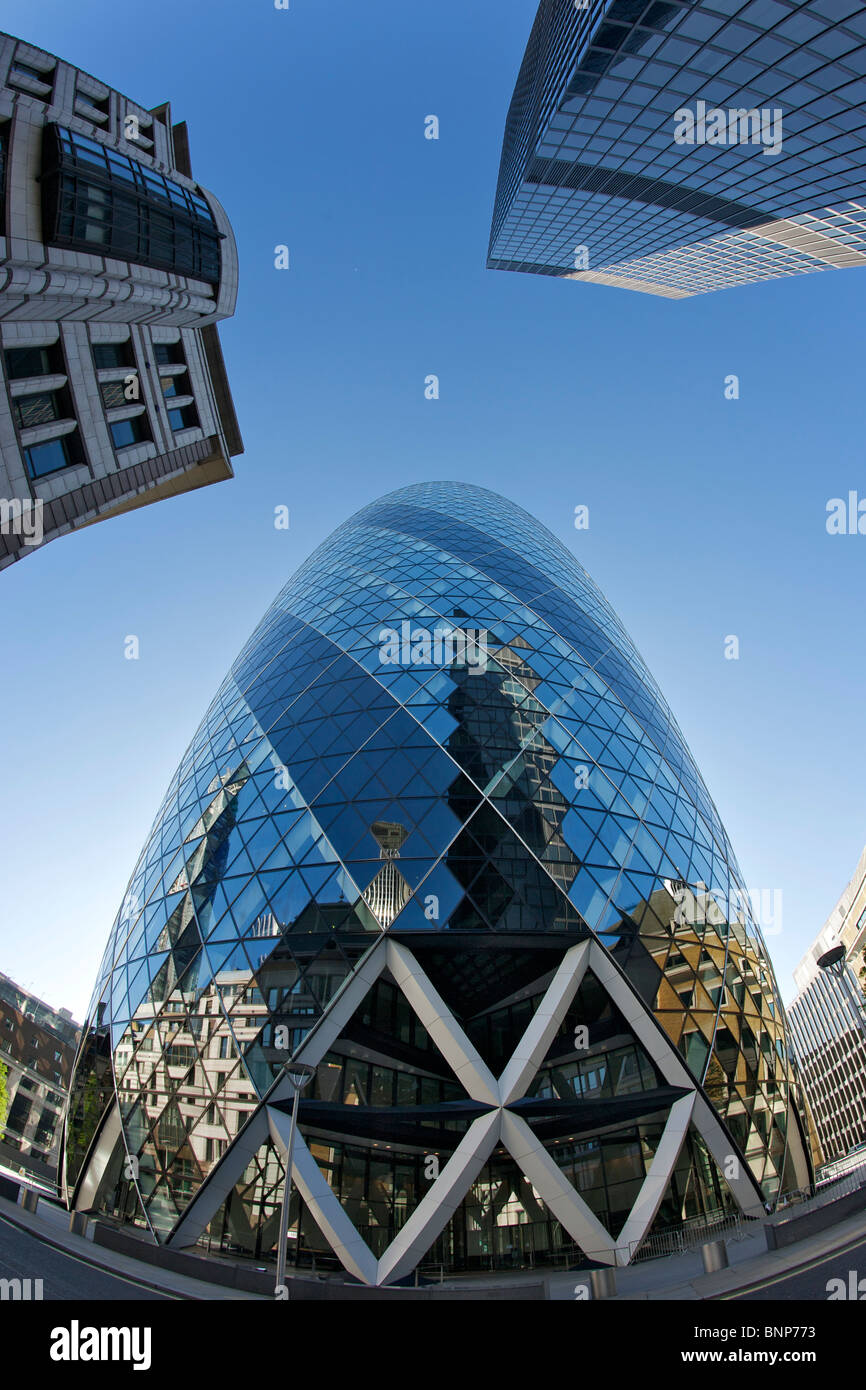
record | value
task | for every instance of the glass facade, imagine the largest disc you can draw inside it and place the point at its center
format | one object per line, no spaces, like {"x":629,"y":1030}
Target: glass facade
{"x":100,"y":201}
{"x":439,"y":742}
{"x":603,"y":176}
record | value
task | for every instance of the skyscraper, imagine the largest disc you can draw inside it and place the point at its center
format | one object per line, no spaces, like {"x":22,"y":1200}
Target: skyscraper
{"x":680,"y":146}
{"x":439,"y":838}
{"x":115,"y":267}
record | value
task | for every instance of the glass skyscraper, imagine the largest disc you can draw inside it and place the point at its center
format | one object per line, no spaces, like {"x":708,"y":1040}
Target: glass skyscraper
{"x":439,"y":838}
{"x":680,"y":146}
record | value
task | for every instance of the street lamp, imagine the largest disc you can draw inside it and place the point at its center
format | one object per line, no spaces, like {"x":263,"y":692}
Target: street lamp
{"x":299,"y":1074}
{"x":834,"y":962}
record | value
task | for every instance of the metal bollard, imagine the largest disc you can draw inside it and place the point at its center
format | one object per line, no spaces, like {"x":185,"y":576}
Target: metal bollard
{"x":715,"y":1256}
{"x":78,"y":1221}
{"x":603,"y":1283}
{"x":29,"y":1199}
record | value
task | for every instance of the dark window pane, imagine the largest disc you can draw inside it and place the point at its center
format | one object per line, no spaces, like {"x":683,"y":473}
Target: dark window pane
{"x":184,"y":418}
{"x":112,"y":355}
{"x":126,"y":432}
{"x":24,"y":362}
{"x":48,"y":457}
{"x":166,"y":353}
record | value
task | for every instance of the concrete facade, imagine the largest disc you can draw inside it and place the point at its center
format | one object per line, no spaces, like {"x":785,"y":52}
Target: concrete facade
{"x":114,"y":388}
{"x":828,"y":1024}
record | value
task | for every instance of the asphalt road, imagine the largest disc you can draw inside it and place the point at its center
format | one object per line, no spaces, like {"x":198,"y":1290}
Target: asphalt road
{"x":63,"y":1276}
{"x":811,"y":1283}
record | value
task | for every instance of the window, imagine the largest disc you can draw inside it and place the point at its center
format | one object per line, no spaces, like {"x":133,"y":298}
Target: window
{"x":184,"y":418}
{"x":39,"y":409}
{"x":19,"y":1112}
{"x":113,"y":394}
{"x":107,"y":355}
{"x":25,"y":70}
{"x":34,"y":361}
{"x":168,"y":354}
{"x":94,"y":214}
{"x":93,"y":197}
{"x":175,"y":384}
{"x":91,"y":107}
{"x":45,"y":1129}
{"x":127,"y":432}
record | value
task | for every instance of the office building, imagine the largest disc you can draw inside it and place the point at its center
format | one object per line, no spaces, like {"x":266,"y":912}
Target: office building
{"x":828,"y":1023}
{"x":115,"y":268}
{"x":439,"y":838}
{"x":37,"y":1047}
{"x":677,"y":147}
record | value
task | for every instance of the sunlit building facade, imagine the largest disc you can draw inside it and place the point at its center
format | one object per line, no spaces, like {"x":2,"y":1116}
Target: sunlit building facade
{"x":38,"y":1045}
{"x":828,"y":1023}
{"x":476,"y":883}
{"x":676,"y":147}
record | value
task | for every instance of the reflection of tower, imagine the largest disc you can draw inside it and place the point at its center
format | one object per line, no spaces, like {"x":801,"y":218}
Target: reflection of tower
{"x":264,"y":926}
{"x":389,"y":892}
{"x":90,"y":1090}
{"x":198,"y":881}
{"x":499,"y":743}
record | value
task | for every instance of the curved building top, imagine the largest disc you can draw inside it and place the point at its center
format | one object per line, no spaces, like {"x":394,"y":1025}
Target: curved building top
{"x":115,"y":268}
{"x":439,"y":768}
{"x":113,"y":225}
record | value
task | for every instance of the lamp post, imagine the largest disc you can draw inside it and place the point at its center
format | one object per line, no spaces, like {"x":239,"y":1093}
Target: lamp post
{"x":834,"y":962}
{"x":299,"y":1074}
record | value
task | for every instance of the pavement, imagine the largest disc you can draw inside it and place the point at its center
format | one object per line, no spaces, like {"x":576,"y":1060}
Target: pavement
{"x":39,"y":1245}
{"x":754,"y":1271}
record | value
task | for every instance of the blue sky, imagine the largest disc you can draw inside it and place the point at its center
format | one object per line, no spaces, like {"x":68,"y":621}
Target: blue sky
{"x":707,"y":516}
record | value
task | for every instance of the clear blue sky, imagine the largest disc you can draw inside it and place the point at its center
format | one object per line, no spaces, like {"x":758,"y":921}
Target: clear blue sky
{"x":707,"y":516}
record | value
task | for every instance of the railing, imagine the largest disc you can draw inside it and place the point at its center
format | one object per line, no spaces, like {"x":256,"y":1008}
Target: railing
{"x":841,"y":1168}
{"x":804,"y":1200}
{"x":690,"y":1236}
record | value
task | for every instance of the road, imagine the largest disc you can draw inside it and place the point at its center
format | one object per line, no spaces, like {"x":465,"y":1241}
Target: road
{"x":63,"y":1276}
{"x":810,"y":1283}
